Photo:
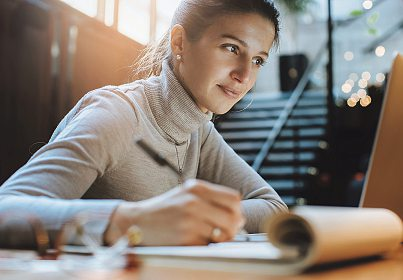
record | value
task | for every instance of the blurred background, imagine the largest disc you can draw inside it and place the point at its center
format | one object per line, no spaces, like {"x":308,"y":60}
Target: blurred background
{"x":307,"y":126}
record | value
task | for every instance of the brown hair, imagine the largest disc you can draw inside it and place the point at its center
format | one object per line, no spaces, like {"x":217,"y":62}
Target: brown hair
{"x":195,"y":16}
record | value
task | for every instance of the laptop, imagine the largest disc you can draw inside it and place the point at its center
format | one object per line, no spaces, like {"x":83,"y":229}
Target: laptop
{"x":383,"y":187}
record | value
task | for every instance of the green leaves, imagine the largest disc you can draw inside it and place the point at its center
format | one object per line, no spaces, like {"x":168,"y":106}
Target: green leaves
{"x":297,"y":6}
{"x":371,"y":21}
{"x":372,"y":31}
{"x":356,"y":13}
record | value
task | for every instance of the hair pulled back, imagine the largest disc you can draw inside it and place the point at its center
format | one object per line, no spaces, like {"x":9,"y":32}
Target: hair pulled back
{"x":195,"y":16}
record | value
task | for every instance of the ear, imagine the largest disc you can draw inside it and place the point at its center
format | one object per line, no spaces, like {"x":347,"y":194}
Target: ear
{"x":177,"y":39}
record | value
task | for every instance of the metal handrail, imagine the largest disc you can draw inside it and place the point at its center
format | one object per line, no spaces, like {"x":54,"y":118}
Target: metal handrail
{"x":349,"y":21}
{"x":288,"y":108}
{"x":387,"y":34}
{"x":297,"y":93}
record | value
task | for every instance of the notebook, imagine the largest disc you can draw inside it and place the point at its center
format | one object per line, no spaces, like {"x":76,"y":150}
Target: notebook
{"x":383,"y":187}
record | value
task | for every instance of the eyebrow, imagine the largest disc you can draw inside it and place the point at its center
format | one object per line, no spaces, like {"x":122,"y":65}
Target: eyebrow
{"x":242,"y":42}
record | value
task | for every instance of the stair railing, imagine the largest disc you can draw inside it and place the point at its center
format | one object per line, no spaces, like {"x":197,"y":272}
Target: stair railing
{"x":287,"y":110}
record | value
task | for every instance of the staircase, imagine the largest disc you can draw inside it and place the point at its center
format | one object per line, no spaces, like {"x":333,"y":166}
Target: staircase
{"x":291,"y":166}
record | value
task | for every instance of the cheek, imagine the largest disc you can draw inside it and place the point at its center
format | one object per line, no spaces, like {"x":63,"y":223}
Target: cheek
{"x":253,"y":78}
{"x":198,"y":71}
{"x":209,"y":75}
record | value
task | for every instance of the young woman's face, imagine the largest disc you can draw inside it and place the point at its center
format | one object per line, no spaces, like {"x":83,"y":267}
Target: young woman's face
{"x":222,"y":66}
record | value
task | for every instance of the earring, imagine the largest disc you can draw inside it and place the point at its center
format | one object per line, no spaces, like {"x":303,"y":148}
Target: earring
{"x":178,"y":57}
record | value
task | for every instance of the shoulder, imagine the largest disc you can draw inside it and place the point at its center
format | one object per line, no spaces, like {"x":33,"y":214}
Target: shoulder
{"x":108,"y":110}
{"x":122,"y":103}
{"x":208,"y":132}
{"x":101,"y":111}
{"x":112,"y":96}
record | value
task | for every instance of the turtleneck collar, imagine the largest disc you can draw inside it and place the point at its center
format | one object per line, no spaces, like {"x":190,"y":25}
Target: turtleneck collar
{"x":174,"y":110}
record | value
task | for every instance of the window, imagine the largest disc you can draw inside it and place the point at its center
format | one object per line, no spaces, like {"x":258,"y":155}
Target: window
{"x":142,"y":20}
{"x":165,"y":11}
{"x":134,"y":19}
{"x":88,"y":7}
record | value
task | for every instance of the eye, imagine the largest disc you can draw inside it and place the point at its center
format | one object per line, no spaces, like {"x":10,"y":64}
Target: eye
{"x":232,"y":48}
{"x":258,"y":61}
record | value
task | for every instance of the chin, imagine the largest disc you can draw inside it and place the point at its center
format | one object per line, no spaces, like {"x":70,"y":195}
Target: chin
{"x":221,"y":110}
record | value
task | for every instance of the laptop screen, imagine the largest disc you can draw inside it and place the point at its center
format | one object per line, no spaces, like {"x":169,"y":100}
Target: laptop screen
{"x":384,"y":181}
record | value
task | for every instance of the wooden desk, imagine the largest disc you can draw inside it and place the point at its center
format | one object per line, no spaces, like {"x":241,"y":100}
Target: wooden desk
{"x":390,"y":269}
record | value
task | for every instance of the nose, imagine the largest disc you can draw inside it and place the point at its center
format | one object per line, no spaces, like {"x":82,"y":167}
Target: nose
{"x":242,"y":72}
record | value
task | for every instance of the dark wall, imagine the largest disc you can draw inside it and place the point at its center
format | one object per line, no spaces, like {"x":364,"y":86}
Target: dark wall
{"x":50,"y":56}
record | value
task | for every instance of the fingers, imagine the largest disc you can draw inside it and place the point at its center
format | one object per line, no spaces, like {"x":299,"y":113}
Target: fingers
{"x":215,"y":194}
{"x":217,"y":206}
{"x":202,"y":233}
{"x":197,"y":214}
{"x":218,"y":217}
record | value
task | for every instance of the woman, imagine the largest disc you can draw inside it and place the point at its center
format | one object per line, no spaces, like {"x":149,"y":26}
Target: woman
{"x":206,"y":63}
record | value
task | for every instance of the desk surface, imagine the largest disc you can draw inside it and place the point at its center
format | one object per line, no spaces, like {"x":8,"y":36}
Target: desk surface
{"x":390,"y":268}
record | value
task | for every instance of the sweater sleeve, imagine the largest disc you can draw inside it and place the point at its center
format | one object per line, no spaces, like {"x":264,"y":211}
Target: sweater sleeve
{"x":89,"y":141}
{"x":20,"y":215}
{"x":221,"y":165}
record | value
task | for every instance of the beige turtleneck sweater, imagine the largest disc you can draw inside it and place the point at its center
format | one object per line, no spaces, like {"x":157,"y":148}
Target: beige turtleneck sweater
{"x":92,"y":154}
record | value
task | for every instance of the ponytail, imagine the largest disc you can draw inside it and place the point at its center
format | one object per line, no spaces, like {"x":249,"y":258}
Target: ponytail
{"x":151,"y":57}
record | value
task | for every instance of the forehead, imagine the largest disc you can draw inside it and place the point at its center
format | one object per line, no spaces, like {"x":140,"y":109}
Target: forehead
{"x":252,"y":28}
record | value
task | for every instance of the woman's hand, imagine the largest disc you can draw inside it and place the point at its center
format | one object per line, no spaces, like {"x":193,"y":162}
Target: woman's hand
{"x":181,"y":216}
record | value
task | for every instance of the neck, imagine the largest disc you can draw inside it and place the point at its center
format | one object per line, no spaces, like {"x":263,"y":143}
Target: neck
{"x":176,"y":114}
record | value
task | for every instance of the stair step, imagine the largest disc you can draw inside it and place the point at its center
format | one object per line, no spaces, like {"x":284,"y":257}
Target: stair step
{"x":264,"y":124}
{"x":289,"y":190}
{"x":282,"y":158}
{"x":290,"y":157}
{"x":249,"y":158}
{"x":303,"y":133}
{"x":267,"y":114}
{"x":289,"y":199}
{"x":263,"y":134}
{"x":285,"y":185}
{"x":262,"y":96}
{"x":287,"y":172}
{"x":278,"y":145}
{"x":246,"y":146}
{"x":279,"y":104}
{"x":302,"y":144}
{"x":283,"y":170}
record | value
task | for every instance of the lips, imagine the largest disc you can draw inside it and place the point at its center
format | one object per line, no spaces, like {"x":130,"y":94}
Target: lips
{"x":230,"y":91}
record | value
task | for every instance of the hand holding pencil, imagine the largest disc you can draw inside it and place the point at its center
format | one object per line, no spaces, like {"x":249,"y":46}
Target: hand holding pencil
{"x":197,"y":214}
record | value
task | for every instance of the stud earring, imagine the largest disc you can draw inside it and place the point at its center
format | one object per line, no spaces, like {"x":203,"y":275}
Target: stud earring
{"x":178,"y":57}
